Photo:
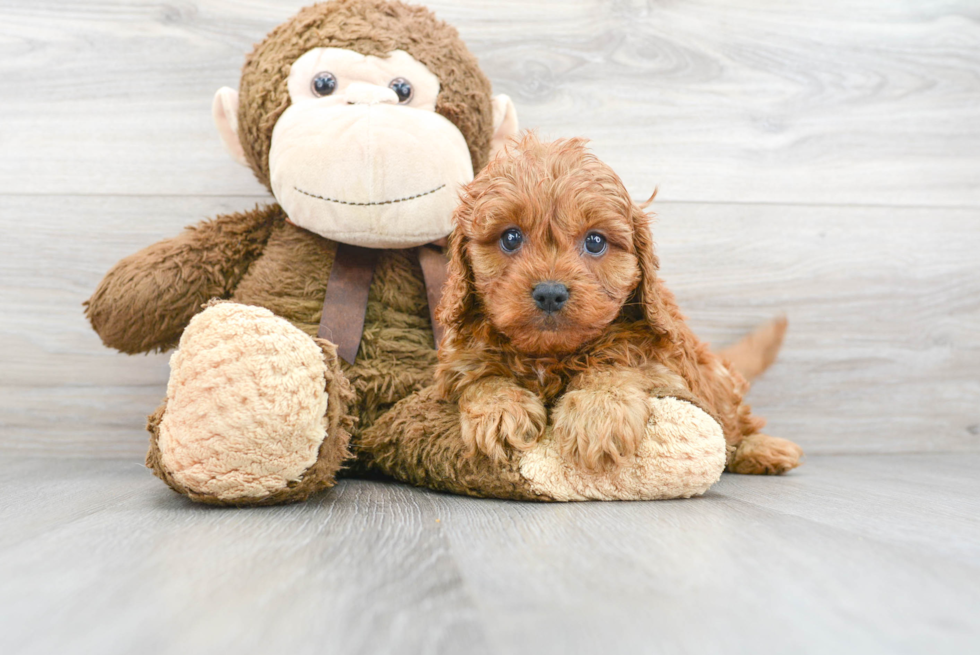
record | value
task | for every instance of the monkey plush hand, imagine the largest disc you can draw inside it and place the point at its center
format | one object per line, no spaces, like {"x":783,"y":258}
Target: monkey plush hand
{"x":363,"y":118}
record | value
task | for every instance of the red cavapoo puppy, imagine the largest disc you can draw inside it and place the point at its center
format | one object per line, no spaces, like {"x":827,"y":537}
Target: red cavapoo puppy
{"x":554,"y":311}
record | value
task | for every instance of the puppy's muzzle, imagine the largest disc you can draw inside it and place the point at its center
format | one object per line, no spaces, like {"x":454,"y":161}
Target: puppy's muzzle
{"x":550,"y":296}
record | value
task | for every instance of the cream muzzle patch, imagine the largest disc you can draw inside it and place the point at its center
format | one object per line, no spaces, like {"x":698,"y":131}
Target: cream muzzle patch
{"x":360,"y":155}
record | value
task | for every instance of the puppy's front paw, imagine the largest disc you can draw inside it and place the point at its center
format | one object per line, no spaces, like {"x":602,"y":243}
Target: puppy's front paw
{"x":494,"y":418}
{"x":597,"y":429}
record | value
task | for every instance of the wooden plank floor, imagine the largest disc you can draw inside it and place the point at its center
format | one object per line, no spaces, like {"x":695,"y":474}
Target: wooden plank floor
{"x":851,"y":554}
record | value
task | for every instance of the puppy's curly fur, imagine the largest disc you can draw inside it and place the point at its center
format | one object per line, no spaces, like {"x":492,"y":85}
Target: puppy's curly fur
{"x":588,"y":360}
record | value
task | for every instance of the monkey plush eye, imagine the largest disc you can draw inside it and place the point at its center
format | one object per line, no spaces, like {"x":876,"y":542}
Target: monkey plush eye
{"x":324,"y":84}
{"x":595,"y":243}
{"x":402,"y":88}
{"x":511,"y":240}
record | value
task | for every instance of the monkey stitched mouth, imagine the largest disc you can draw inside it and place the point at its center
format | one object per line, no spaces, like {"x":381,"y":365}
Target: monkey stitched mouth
{"x":367,"y":204}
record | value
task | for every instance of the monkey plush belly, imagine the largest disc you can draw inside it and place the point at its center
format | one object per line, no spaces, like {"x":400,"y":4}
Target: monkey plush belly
{"x":396,"y":355}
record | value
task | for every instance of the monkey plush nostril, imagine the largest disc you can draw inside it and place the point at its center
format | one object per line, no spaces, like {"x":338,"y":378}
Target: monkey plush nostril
{"x":550,"y":296}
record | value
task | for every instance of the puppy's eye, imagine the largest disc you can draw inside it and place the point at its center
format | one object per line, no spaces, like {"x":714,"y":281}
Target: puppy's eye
{"x":324,"y":84}
{"x":402,"y":88}
{"x":595,"y":243}
{"x":511,"y":240}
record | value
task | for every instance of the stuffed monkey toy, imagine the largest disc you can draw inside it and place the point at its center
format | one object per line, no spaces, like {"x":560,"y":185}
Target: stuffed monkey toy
{"x":363,"y":118}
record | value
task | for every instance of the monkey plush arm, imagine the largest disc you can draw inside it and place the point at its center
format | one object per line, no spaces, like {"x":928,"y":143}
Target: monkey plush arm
{"x":145,"y":301}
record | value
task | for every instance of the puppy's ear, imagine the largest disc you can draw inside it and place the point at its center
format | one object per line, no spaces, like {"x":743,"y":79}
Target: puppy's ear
{"x":655,"y":298}
{"x":458,"y":297}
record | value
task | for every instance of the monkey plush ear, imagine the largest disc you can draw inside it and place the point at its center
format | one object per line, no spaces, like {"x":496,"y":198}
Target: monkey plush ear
{"x":224,"y":110}
{"x":504,"y":123}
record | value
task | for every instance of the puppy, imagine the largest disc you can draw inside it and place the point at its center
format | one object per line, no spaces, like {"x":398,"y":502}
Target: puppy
{"x":554,"y":311}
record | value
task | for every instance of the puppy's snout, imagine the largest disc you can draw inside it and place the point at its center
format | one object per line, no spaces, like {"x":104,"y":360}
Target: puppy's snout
{"x":550,"y":296}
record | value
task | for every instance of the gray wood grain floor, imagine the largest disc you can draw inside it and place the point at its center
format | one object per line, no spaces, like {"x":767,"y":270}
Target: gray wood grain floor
{"x":851,"y":554}
{"x":815,"y":158}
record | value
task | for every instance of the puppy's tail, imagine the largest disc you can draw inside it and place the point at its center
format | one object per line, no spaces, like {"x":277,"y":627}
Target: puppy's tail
{"x":757,"y":351}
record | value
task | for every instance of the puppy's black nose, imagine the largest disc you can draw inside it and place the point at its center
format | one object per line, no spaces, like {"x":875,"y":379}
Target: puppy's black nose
{"x":550,"y":296}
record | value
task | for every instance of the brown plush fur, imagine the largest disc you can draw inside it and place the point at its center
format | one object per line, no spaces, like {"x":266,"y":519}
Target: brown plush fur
{"x":370,"y":27}
{"x":146,"y":300}
{"x":619,"y":335}
{"x":256,"y":257}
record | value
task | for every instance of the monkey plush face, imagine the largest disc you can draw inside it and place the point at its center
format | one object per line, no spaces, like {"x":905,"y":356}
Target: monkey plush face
{"x":361,"y":155}
{"x":364,"y":118}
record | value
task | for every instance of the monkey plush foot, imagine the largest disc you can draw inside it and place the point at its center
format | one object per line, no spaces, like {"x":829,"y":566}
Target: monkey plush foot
{"x":681,"y":455}
{"x":255,"y":414}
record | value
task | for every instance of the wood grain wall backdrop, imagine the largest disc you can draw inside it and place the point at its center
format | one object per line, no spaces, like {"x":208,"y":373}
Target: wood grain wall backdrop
{"x":820,"y":159}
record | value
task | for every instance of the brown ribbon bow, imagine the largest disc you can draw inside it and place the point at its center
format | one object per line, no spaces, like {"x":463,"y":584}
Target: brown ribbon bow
{"x":345,"y":302}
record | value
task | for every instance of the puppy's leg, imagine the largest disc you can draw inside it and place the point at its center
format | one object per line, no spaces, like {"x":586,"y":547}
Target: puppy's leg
{"x":496,"y":413}
{"x":751,"y":451}
{"x":760,"y":454}
{"x":602,"y":419}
